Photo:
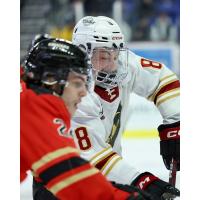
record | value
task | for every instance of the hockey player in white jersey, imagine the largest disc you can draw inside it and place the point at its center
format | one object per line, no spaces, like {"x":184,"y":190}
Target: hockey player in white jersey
{"x":101,"y":117}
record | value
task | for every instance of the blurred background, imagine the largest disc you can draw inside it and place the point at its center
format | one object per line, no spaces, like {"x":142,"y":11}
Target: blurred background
{"x":151,"y":27}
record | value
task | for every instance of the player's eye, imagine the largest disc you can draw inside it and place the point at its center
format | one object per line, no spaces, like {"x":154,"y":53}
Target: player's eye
{"x":79,"y":84}
{"x":104,"y":58}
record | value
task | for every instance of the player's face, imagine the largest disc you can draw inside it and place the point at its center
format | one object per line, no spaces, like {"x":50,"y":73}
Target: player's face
{"x":74,"y":90}
{"x":104,"y":59}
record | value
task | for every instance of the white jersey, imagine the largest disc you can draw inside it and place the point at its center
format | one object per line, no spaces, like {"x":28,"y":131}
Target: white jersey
{"x":100,"y":119}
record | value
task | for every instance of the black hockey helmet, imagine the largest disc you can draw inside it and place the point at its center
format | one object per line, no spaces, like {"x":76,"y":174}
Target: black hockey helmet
{"x":50,"y":61}
{"x":38,"y":38}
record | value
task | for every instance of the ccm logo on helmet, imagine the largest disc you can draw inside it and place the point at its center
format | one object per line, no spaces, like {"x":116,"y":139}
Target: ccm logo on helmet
{"x":117,"y":38}
{"x":172,"y":134}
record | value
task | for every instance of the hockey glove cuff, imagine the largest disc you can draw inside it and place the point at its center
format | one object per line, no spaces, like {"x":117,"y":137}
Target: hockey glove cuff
{"x":135,"y":192}
{"x":170,"y":143}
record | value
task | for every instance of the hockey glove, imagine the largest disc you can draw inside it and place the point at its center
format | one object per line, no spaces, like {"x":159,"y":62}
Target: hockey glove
{"x":158,"y":189}
{"x":170,"y":143}
{"x":41,"y":193}
{"x":135,"y":192}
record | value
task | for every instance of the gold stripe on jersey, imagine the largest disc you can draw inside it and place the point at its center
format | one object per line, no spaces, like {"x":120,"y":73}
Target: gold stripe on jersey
{"x":72,"y":179}
{"x":152,"y":97}
{"x":53,"y":155}
{"x":163,"y":81}
{"x":108,"y":161}
{"x":167,"y":98}
{"x":101,"y":158}
{"x":166,"y":94}
{"x":111,"y":166}
{"x":166,"y":77}
{"x":99,"y":153}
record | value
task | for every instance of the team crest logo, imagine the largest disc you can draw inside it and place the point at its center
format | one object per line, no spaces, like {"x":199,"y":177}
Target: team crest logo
{"x":88,"y":21}
{"x":108,"y":95}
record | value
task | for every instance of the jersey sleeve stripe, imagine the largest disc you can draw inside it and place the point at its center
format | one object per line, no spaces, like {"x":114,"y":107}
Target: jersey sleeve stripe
{"x":153,"y":96}
{"x":96,"y":159}
{"x":167,"y":94}
{"x":167,"y":77}
{"x":165,"y":81}
{"x":172,"y":91}
{"x":72,"y":179}
{"x":110,"y":165}
{"x":100,"y":158}
{"x":166,"y":88}
{"x":102,"y":162}
{"x":60,"y":168}
{"x":100,"y":153}
{"x":167,"y":98}
{"x":108,"y":161}
{"x":51,"y":156}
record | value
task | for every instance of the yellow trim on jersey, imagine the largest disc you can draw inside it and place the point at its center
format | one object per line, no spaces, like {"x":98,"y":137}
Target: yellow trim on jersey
{"x":170,"y":91}
{"x":113,"y":164}
{"x":152,"y":97}
{"x":108,"y":161}
{"x":72,"y":179}
{"x":99,"y":153}
{"x":53,"y":155}
{"x":166,"y":77}
{"x":102,"y":158}
{"x":141,"y":133}
{"x":167,"y":98}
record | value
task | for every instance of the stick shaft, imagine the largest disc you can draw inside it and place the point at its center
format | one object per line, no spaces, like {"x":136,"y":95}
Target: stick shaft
{"x":172,"y":172}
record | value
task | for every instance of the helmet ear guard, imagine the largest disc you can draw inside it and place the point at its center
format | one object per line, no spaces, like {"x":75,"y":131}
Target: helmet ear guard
{"x":50,"y":61}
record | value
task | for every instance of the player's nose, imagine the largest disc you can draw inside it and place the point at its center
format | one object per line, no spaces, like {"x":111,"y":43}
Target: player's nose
{"x":83,"y":92}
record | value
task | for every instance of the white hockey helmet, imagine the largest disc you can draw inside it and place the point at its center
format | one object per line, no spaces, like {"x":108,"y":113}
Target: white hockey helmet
{"x":93,"y":33}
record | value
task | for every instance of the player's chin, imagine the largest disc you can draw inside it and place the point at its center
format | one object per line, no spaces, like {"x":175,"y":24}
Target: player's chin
{"x":74,"y":108}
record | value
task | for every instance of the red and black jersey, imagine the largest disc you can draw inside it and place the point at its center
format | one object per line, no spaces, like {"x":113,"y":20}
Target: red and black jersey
{"x":53,"y":159}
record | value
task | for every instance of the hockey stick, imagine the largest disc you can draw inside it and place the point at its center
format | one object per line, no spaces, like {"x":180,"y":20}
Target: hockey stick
{"x":172,"y":178}
{"x":172,"y":172}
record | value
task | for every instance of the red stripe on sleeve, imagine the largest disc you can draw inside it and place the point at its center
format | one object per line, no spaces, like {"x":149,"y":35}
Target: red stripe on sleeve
{"x":100,"y":164}
{"x":166,"y":88}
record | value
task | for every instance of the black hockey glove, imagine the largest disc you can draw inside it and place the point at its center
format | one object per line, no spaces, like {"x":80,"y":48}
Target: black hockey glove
{"x":170,"y":143}
{"x":135,"y":192}
{"x":158,"y":189}
{"x":41,"y":193}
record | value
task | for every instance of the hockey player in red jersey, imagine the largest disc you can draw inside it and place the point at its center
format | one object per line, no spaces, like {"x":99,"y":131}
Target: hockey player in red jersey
{"x":56,"y":77}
